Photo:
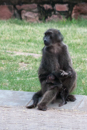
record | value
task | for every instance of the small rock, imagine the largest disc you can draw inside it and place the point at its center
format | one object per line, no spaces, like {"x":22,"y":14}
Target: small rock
{"x":27,"y":7}
{"x":80,"y":10}
{"x":46,"y":6}
{"x":6,"y":12}
{"x":30,"y":16}
{"x":60,"y":7}
{"x":54,"y":18}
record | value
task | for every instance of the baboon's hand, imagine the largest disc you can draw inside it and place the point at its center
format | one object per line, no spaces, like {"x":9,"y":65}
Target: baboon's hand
{"x":63,"y":73}
{"x":69,"y":74}
{"x":31,"y":106}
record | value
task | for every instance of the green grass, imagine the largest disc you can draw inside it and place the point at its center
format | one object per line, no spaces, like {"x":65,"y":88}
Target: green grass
{"x":19,"y":72}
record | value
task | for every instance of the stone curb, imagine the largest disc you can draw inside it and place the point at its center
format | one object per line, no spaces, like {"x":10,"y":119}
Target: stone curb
{"x":20,"y":99}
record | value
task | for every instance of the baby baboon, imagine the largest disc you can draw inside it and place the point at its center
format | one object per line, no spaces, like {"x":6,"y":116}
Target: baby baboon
{"x":55,"y":57}
{"x":56,"y":78}
{"x":55,"y":81}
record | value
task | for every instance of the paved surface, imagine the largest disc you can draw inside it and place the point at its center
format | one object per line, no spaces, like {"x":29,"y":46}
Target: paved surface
{"x":14,"y":115}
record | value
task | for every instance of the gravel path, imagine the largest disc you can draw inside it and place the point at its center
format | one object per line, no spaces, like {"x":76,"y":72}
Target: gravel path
{"x":24,"y":119}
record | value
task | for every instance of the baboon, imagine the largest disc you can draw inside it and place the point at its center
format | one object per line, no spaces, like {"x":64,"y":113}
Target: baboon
{"x":55,"y":57}
{"x":55,"y":81}
{"x":56,"y":78}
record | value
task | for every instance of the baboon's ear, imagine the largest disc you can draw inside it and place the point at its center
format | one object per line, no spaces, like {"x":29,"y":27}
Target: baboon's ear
{"x":60,"y":36}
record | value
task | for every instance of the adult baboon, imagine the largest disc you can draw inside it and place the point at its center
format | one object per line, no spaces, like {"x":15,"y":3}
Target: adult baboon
{"x":55,"y":57}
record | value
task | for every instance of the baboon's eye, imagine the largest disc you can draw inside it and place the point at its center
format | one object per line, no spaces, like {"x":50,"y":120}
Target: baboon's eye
{"x":48,"y":33}
{"x":51,"y":36}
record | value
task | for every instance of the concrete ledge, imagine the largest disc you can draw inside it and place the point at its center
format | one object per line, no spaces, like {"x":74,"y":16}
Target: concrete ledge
{"x":20,"y":99}
{"x":14,"y":98}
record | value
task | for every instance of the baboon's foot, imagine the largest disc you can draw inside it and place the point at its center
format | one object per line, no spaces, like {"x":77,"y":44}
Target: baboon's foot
{"x":42,"y":107}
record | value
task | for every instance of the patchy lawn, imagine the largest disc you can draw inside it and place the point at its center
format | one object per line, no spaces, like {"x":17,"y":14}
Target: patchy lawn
{"x":18,"y":39}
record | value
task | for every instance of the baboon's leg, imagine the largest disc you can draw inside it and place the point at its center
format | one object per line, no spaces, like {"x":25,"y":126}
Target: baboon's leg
{"x":70,"y":84}
{"x":62,"y":94}
{"x":35,"y":99}
{"x":48,"y":97}
{"x":70,"y":98}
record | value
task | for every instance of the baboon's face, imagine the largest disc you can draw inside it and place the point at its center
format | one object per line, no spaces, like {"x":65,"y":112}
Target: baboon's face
{"x":52,"y":36}
{"x":50,"y":78}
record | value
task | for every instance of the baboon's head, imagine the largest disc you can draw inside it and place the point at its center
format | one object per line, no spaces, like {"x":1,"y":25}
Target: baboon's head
{"x":52,"y":36}
{"x":50,"y":78}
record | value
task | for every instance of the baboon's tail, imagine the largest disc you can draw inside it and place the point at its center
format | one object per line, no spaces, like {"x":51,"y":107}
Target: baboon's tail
{"x":35,"y":99}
